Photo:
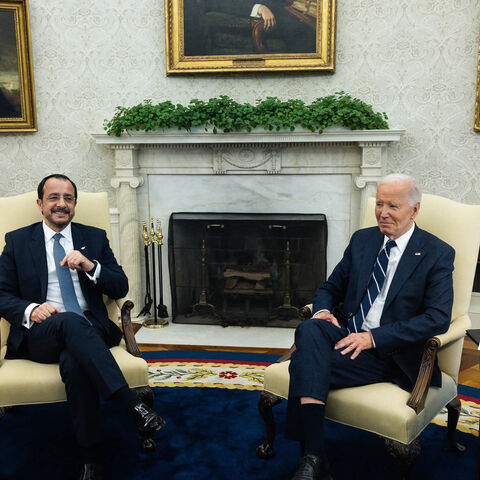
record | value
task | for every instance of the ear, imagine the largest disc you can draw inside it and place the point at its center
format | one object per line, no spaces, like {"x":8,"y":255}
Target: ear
{"x":416,"y":209}
{"x":40,"y":205}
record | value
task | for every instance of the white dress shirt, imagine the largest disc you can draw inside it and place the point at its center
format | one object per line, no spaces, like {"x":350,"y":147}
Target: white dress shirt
{"x":54,"y":295}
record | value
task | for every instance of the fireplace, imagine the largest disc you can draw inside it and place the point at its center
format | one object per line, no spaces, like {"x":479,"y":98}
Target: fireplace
{"x":261,"y":171}
{"x":245,"y":269}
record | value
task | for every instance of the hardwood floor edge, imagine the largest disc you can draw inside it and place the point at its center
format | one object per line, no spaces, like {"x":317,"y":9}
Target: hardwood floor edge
{"x":145,"y":347}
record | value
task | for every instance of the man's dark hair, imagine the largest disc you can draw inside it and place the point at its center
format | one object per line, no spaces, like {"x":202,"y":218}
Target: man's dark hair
{"x":58,"y":176}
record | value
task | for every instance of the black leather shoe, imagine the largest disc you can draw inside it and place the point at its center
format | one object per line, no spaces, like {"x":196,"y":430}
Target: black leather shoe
{"x":91,"y":471}
{"x":312,"y":467}
{"x":147,"y":421}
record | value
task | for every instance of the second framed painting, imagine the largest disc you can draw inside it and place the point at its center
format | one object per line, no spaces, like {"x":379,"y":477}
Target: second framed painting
{"x":205,"y":36}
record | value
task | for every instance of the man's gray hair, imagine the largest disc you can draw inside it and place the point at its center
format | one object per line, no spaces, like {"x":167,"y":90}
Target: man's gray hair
{"x":414,"y":194}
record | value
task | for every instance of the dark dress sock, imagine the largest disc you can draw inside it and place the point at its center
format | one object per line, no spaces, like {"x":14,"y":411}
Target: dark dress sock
{"x":311,"y":417}
{"x":126,"y":398}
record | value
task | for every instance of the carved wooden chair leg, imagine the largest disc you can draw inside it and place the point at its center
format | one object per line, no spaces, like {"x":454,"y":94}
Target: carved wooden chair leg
{"x":266,"y":401}
{"x":147,"y":443}
{"x":453,"y":409}
{"x":404,"y":455}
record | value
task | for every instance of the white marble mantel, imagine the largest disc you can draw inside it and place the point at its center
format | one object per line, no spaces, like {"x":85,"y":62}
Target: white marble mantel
{"x":341,"y":167}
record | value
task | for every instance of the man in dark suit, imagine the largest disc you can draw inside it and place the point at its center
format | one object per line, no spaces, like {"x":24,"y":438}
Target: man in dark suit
{"x":52,"y":277}
{"x":391,"y":291}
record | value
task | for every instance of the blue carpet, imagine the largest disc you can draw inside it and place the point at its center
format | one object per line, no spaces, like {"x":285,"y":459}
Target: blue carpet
{"x":210,"y":434}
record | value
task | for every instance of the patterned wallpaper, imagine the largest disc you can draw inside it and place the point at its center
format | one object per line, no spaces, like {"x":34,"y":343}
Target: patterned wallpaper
{"x":417,"y":61}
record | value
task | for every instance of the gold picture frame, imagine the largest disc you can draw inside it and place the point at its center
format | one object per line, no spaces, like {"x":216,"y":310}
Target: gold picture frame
{"x":17,"y":95}
{"x":218,"y":36}
{"x":476,"y":125}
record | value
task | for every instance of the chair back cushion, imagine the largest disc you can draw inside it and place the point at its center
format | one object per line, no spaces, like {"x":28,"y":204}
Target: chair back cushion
{"x":21,"y":210}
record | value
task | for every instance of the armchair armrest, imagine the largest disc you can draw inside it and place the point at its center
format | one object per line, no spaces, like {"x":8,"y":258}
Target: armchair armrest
{"x":456,"y":330}
{"x":420,"y":390}
{"x":128,"y":334}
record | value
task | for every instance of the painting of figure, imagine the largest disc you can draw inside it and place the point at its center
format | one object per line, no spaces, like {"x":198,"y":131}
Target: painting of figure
{"x":219,"y":36}
{"x":10,"y":100}
{"x":243,"y":27}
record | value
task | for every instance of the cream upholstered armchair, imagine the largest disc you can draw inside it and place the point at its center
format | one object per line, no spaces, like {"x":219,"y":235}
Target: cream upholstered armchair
{"x":24,"y":382}
{"x":384,"y":408}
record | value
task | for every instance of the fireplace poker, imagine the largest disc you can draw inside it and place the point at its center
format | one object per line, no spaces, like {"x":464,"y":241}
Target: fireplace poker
{"x":161,"y":308}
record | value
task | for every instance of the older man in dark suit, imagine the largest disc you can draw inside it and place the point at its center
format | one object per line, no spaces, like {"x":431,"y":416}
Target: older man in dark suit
{"x":391,"y":291}
{"x":52,"y":278}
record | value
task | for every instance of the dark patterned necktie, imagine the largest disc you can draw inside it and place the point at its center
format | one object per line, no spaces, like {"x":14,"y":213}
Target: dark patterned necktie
{"x":374,"y":287}
{"x":69,"y":297}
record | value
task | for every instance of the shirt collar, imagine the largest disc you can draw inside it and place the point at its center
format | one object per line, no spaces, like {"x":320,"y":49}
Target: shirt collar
{"x":403,"y":240}
{"x":49,"y":233}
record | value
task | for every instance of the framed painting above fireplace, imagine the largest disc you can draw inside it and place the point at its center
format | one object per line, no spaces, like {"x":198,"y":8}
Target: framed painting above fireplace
{"x":205,"y":36}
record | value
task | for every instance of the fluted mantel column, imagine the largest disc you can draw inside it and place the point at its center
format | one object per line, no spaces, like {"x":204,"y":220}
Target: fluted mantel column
{"x":126,"y":180}
{"x":373,"y":158}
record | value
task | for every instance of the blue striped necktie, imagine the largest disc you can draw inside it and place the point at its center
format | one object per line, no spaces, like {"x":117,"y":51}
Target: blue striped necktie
{"x":69,"y":297}
{"x":374,"y":287}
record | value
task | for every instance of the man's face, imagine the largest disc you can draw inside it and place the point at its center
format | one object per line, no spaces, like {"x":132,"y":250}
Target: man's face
{"x":394,"y":213}
{"x":58,"y":203}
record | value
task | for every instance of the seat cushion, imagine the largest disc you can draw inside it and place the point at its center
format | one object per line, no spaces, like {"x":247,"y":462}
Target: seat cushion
{"x":24,"y":382}
{"x":379,"y":408}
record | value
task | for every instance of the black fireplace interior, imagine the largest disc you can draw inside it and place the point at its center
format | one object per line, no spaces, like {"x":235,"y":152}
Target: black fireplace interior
{"x":245,"y":269}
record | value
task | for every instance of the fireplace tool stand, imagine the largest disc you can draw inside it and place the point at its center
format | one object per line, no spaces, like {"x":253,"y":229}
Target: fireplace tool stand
{"x":154,"y":239}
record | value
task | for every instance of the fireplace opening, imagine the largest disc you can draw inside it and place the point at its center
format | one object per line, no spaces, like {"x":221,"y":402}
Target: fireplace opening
{"x":245,"y":269}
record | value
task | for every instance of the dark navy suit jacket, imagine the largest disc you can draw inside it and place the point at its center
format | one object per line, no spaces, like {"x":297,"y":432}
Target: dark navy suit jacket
{"x":23,"y":278}
{"x":418,"y":304}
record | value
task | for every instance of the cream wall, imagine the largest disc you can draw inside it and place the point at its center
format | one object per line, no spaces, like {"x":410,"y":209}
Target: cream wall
{"x":417,"y":61}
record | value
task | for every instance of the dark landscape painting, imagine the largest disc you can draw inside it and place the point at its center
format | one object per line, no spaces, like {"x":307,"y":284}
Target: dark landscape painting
{"x":10,"y":99}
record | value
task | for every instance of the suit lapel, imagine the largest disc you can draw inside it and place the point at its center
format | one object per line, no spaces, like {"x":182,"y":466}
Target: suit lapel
{"x":39,"y":257}
{"x":367,"y":262}
{"x":414,"y":253}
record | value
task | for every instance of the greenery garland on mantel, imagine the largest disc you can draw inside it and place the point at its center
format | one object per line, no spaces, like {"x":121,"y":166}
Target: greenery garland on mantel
{"x":227,"y":115}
